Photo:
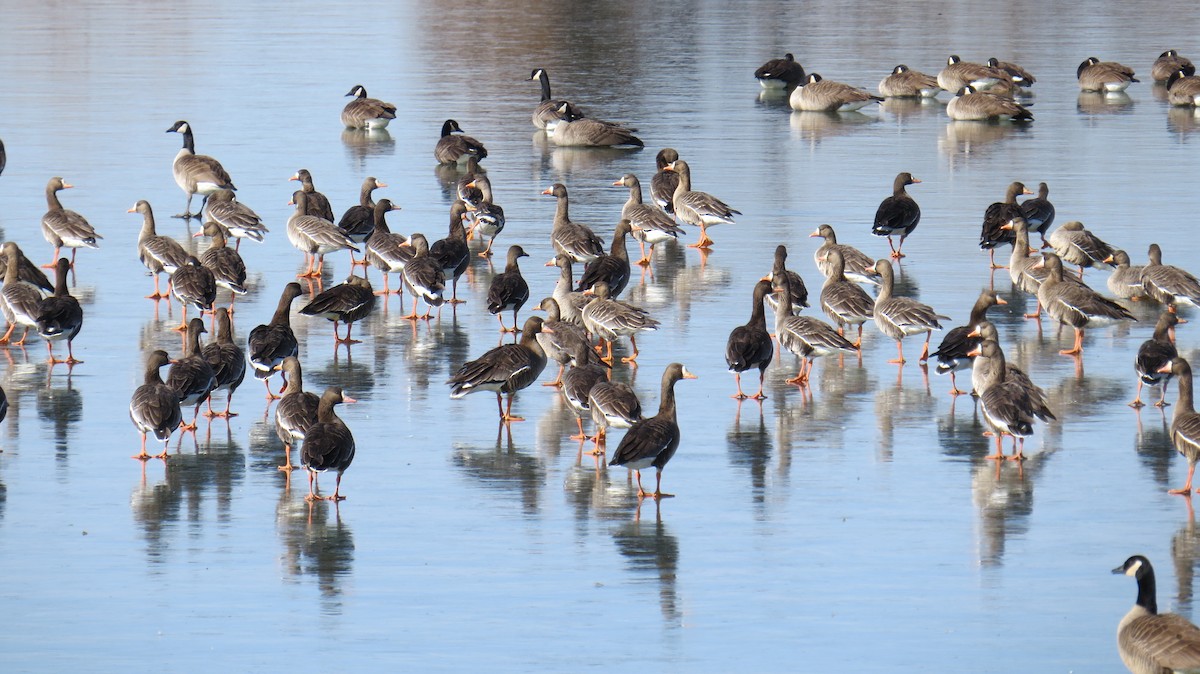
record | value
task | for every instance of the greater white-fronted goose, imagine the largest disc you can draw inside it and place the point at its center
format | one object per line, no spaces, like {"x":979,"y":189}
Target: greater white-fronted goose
{"x":662,"y":185}
{"x":1078,"y":246}
{"x":346,"y":303}
{"x":817,"y":94}
{"x":614,"y":405}
{"x":612,"y":268}
{"x":807,"y":337}
{"x":237,"y":218}
{"x":1038,"y":399}
{"x":782,"y":275}
{"x":577,"y":383}
{"x":1125,"y":281}
{"x":227,"y":360}
{"x":1016,"y":74}
{"x":1024,"y":267}
{"x":574,"y":239}
{"x":650,"y":225}
{"x":1183,"y":89}
{"x":154,"y":406}
{"x":226,"y":264}
{"x":653,"y":441}
{"x":385,"y":250}
{"x":972,"y":105}
{"x":749,"y":346}
{"x":549,"y":111}
{"x":19,"y":299}
{"x":996,"y":216}
{"x":466,"y":191}
{"x":609,"y":319}
{"x":781,"y":73}
{"x":314,"y":236}
{"x":159,"y":253}
{"x":588,"y":132}
{"x":359,"y":220}
{"x":328,"y":445}
{"x":959,"y":73}
{"x":193,"y":284}
{"x":859,"y":267}
{"x":65,"y":228}
{"x":1153,"y":354}
{"x":559,"y":338}
{"x":60,"y":316}
{"x":506,"y":369}
{"x":697,"y":208}
{"x":898,"y":214}
{"x":1007,"y":406}
{"x":904,"y":82}
{"x":315,"y":202}
{"x":1039,"y":212}
{"x":952,"y":353}
{"x":1170,"y":62}
{"x":457,"y":148}
{"x":296,"y":411}
{"x":27,"y":271}
{"x":489,"y":216}
{"x":1185,"y":424}
{"x":570,"y":303}
{"x":366,"y":113}
{"x":1105,"y":76}
{"x":1149,"y":641}
{"x":508,"y":290}
{"x":192,"y":375}
{"x":453,"y":252}
{"x":843,"y":300}
{"x":1075,"y":304}
{"x":1168,"y":284}
{"x":269,"y":343}
{"x":196,"y":173}
{"x":423,"y":276}
{"x":899,"y":317}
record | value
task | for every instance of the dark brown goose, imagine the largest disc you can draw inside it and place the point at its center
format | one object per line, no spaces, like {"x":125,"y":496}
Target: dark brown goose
{"x":780,"y":274}
{"x":859,"y":267}
{"x":1075,"y":304}
{"x":237,"y":218}
{"x":650,"y":225}
{"x":899,"y":317}
{"x":328,"y":445}
{"x":662,"y":185}
{"x":489,"y":216}
{"x":192,"y":376}
{"x":1106,"y":76}
{"x":296,"y":411}
{"x":506,"y":369}
{"x":1150,"y":642}
{"x":1039,"y":212}
{"x":453,"y":252}
{"x":560,"y":339}
{"x":28,"y":271}
{"x":612,"y":268}
{"x":1170,"y":62}
{"x":384,"y":250}
{"x":60,"y":316}
{"x":904,"y":82}
{"x":314,"y":236}
{"x":1153,"y":354}
{"x":807,"y":337}
{"x":749,"y":346}
{"x":65,"y":228}
{"x":159,"y":253}
{"x":270,"y":343}
{"x":781,"y":73}
{"x":315,"y":203}
{"x":584,"y":374}
{"x":1039,"y":401}
{"x":1125,"y":281}
{"x":609,"y":319}
{"x":898,"y":214}
{"x":359,"y":220}
{"x":1007,"y":406}
{"x":574,"y":239}
{"x":346,"y":303}
{"x":653,"y":441}
{"x":467,"y":192}
{"x":423,"y":276}
{"x":226,"y":264}
{"x":154,"y":406}
{"x":457,"y":148}
{"x":1168,"y":284}
{"x":194,"y":285}
{"x":227,"y":360}
{"x":19,"y":299}
{"x":1185,"y":424}
{"x":952,"y":352}
{"x":196,"y":173}
{"x":1076,"y":245}
{"x":697,"y":208}
{"x":366,"y":113}
{"x":508,"y":290}
{"x":843,"y":300}
{"x":995,"y":216}
{"x":972,"y":105}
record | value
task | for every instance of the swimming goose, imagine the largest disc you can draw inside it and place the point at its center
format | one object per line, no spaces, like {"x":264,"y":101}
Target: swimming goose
{"x":158,"y":253}
{"x":1007,"y":406}
{"x":904,"y":82}
{"x":19,"y":299}
{"x":315,"y":236}
{"x":952,"y":352}
{"x":346,"y":303}
{"x":549,"y":111}
{"x":228,"y":362}
{"x":1078,"y":246}
{"x":817,"y":94}
{"x":452,"y":252}
{"x":366,"y":113}
{"x":315,"y":203}
{"x":570,"y":303}
{"x":226,"y":264}
{"x":859,"y":267}
{"x":807,"y":337}
{"x":1039,"y":401}
{"x":588,"y":132}
{"x":195,"y":285}
{"x":653,"y":441}
{"x":1125,"y":281}
{"x":1168,"y":284}
{"x":296,"y":411}
{"x":1149,"y":641}
{"x":423,"y":276}
{"x":899,"y":317}
{"x":614,"y":405}
{"x":697,"y":208}
{"x":1183,"y":89}
{"x":662,"y":185}
{"x":1185,"y":424}
{"x":560,"y":338}
{"x":59,"y":316}
{"x":1075,"y":304}
{"x":843,"y":300}
{"x":192,"y":375}
{"x":571,"y":238}
{"x":359,"y":220}
{"x":154,"y":406}
{"x":328,"y":445}
{"x":1153,"y":354}
{"x":898,"y":214}
{"x":995,"y":216}
{"x":1106,"y":76}
{"x":268,"y":344}
{"x":62,"y":227}
{"x":1170,"y":62}
{"x":237,"y":218}
{"x":196,"y":173}
{"x":489,"y":216}
{"x":585,"y":373}
{"x":506,"y":369}
{"x":384,"y":250}
{"x":28,"y":271}
{"x":1016,"y":74}
{"x":457,"y":149}
{"x":959,"y":73}
{"x":1039,"y":212}
{"x":649,"y":224}
{"x":749,"y":346}
{"x":612,"y":268}
{"x":780,"y":73}
{"x":609,"y":319}
{"x":785,"y":276}
{"x":508,"y":290}
{"x":972,"y":105}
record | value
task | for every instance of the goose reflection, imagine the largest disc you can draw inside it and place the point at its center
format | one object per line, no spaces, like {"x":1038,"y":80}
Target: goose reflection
{"x":1183,"y":121}
{"x":362,"y":144}
{"x":342,"y":371}
{"x":964,"y":139}
{"x":960,"y":435}
{"x":1003,"y":493}
{"x":582,"y":160}
{"x":903,"y":407}
{"x":813,"y":127}
{"x":1096,"y":103}
{"x":1152,"y":443}
{"x":504,"y":469}
{"x":434,"y":349}
{"x":907,"y":110}
{"x":652,"y":554}
{"x":750,"y":447}
{"x":314,"y":546}
{"x":1185,"y":545}
{"x":60,"y":408}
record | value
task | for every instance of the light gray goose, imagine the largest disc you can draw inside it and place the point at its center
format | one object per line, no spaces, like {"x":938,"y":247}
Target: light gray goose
{"x":489,"y":216}
{"x":780,"y":73}
{"x":818,"y":94}
{"x":560,"y":338}
{"x":359,"y":220}
{"x":614,"y":405}
{"x":366,"y":113}
{"x":226,"y":264}
{"x":1150,"y":642}
{"x":1078,"y":246}
{"x":1018,"y":75}
{"x":843,"y":300}
{"x":807,"y":337}
{"x":228,"y":361}
{"x":749,"y":346}
{"x":952,"y":352}
{"x":19,"y":299}
{"x":423,"y":276}
{"x":506,"y":369}
{"x":1105,"y":76}
{"x":570,"y":303}
{"x":1007,"y":406}
{"x":584,"y":374}
{"x":662,"y":185}
{"x":196,"y":173}
{"x":653,"y":441}
{"x":898,"y":214}
{"x":193,"y":284}
{"x":650,"y":225}
{"x":784,"y":276}
{"x":65,"y":228}
{"x":972,"y":105}
{"x":609,"y":319}
{"x":237,"y":218}
{"x":1075,"y":304}
{"x":899,"y":317}
{"x":612,"y":268}
{"x":192,"y":376}
{"x":1125,"y":281}
{"x":346,"y":303}
{"x":573,"y":239}
{"x":1185,"y":424}
{"x":60,"y":316}
{"x":296,"y":412}
{"x":1024,"y":267}
{"x":314,"y":236}
{"x":1039,"y":402}
{"x":1153,"y":354}
{"x":457,"y":148}
{"x":904,"y":82}
{"x":1039,"y":212}
{"x":385,"y":250}
{"x":859,"y":267}
{"x":549,"y":112}
{"x":508,"y":290}
{"x":159,"y":253}
{"x":453,"y":252}
{"x":315,"y":202}
{"x":697,"y":208}
{"x":959,"y":73}
{"x":154,"y":406}
{"x":328,"y":444}
{"x":1170,"y":62}
{"x":1183,"y":89}
{"x":588,"y":132}
{"x":1168,"y":284}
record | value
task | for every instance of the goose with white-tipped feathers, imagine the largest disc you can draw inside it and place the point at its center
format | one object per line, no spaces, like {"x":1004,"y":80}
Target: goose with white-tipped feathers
{"x":316,"y":203}
{"x":1076,"y":245}
{"x":384,"y":249}
{"x":654,"y":441}
{"x":159,"y":253}
{"x":650,"y":225}
{"x":952,"y":353}
{"x":612,"y":268}
{"x":1185,"y":421}
{"x":508,"y":290}
{"x":296,"y":411}
{"x":59,"y":316}
{"x":64,"y":228}
{"x":1039,"y":212}
{"x":1125,"y":281}
{"x":573,"y":239}
{"x":347,"y":303}
{"x":697,"y":208}
{"x":19,"y":299}
{"x":843,"y":300}
{"x":359,"y":220}
{"x":154,"y":406}
{"x":859,"y":267}
{"x":192,"y":376}
{"x":228,"y":362}
{"x":505,"y":369}
{"x":806,"y":337}
{"x":193,"y":285}
{"x":1104,"y":76}
{"x":237,"y":218}
{"x":423,"y":276}
{"x":268,"y":344}
{"x":314,"y":236}
{"x":1075,"y":304}
{"x":959,"y":73}
{"x":226,"y":264}
{"x":899,"y":317}
{"x":1168,"y":284}
{"x":664,"y":182}
{"x":608,"y":319}
{"x":782,"y":275}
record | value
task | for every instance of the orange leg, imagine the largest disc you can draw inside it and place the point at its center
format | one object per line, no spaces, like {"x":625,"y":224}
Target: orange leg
{"x":1078,"y":348}
{"x":633,"y":358}
{"x":1187,"y":488}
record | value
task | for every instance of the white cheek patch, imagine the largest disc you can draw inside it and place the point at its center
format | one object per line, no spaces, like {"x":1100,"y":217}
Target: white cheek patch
{"x":1133,"y":568}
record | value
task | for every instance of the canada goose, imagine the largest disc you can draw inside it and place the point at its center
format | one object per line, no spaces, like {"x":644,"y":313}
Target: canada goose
{"x":228,"y":361}
{"x":588,"y":132}
{"x":366,"y":113}
{"x":1170,"y":62}
{"x":315,"y":203}
{"x":18,"y":299}
{"x":904,"y":82}
{"x":328,"y":444}
{"x":612,"y":268}
{"x":662,"y":185}
{"x":452,"y":148}
{"x":1039,"y":212}
{"x":1007,"y":406}
{"x":897,"y":214}
{"x":423,"y":276}
{"x":1185,"y":423}
{"x":296,"y":411}
{"x":237,"y":218}
{"x":1149,"y":641}
{"x":62,"y":227}
{"x":1078,"y":246}
{"x":1125,"y":281}
{"x":195,"y":285}
{"x":859,"y":267}
{"x":899,"y":317}
{"x":154,"y":406}
{"x":346,"y":303}
{"x":1183,"y":89}
{"x":226,"y":264}
{"x":314,"y":236}
{"x":158,"y":253}
{"x":60,"y":316}
{"x":952,"y":353}
{"x":843,"y":300}
{"x":609,"y":319}
{"x":1105,"y":76}
{"x":1016,"y":74}
{"x":453,"y":252}
{"x":649,"y":224}
{"x":359,"y":220}
{"x":972,"y":105}
{"x":385,"y":250}
{"x":749,"y":346}
{"x":508,"y":290}
{"x":1168,"y":284}
{"x":959,"y":73}
{"x":506,"y":369}
{"x":269,"y":343}
{"x":697,"y":208}
{"x":780,"y":73}
{"x":196,"y":173}
{"x":807,"y":337}
{"x":1153,"y":354}
{"x":653,"y":441}
{"x":1075,"y":304}
{"x":192,"y":376}
{"x":573,"y":239}
{"x":550,"y":111}
{"x":817,"y":94}
{"x":995,"y":216}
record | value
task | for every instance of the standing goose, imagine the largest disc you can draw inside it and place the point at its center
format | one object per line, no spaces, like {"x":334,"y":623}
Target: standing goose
{"x":314,"y":236}
{"x":506,"y":369}
{"x":384,"y":250}
{"x":749,"y":346}
{"x":859,"y":267}
{"x":28,"y":271}
{"x":1153,"y":354}
{"x":781,"y":73}
{"x":359,"y":220}
{"x":1170,"y":62}
{"x":196,"y":173}
{"x":1105,"y":76}
{"x":662,"y":185}
{"x":1039,"y":212}
{"x":1167,"y":284}
{"x":843,"y":300}
{"x":897,"y":214}
{"x":468,"y":193}
{"x":423,"y":276}
{"x":489,"y":216}
{"x":154,"y":406}
{"x":457,"y":149}
{"x":228,"y":362}
{"x":1026,"y":270}
{"x":807,"y":337}
{"x":559,"y":338}
{"x":1039,"y":401}
{"x":959,"y":73}
{"x":452,"y":252}
{"x":1149,"y":641}
{"x":588,"y":132}
{"x":612,"y":268}
{"x":649,"y":224}
{"x":346,"y":303}
{"x":158,"y":253}
{"x":328,"y":444}
{"x":904,"y":82}
{"x":192,"y":376}
{"x":1185,"y":424}
{"x":653,"y":441}
{"x":1076,"y":245}
{"x":550,"y":111}
{"x":784,"y":276}
{"x":1125,"y":281}
{"x":570,"y":303}
{"x":1075,"y":304}
{"x":952,"y":352}
{"x":237,"y":218}
{"x":609,"y":319}
{"x":899,"y":317}
{"x":59,"y":316}
{"x":508,"y":290}
{"x":818,"y":94}
{"x":270,"y":343}
{"x":697,"y":208}
{"x":995,"y":216}
{"x":366,"y":113}
{"x":573,"y":239}
{"x":296,"y":411}
{"x":19,"y":299}
{"x":972,"y":105}
{"x":62,"y":227}
{"x":315,"y":203}
{"x":614,"y":405}
{"x":585,"y":373}
{"x":1007,"y":406}
{"x":1183,"y":89}
{"x":193,"y":284}
{"x":226,"y":264}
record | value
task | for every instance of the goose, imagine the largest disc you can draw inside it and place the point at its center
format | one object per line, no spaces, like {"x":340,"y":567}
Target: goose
{"x":697,"y":208}
{"x":559,"y":338}
{"x":749,"y":346}
{"x":27,"y":271}
{"x":314,"y":236}
{"x":549,"y":112}
{"x":384,"y":250}
{"x":359,"y":220}
{"x":1105,"y":76}
{"x":366,"y":113}
{"x":1007,"y":406}
{"x":158,"y":253}
{"x":1075,"y":304}
{"x":807,"y":337}
{"x":899,"y":317}
{"x":570,"y":303}
{"x":995,"y":216}
{"x":662,"y":185}
{"x":1039,"y":212}
{"x":1185,"y":424}
{"x":508,"y":290}
{"x":1170,"y":62}
{"x":19,"y":299}
{"x":1078,"y":246}
{"x":952,"y":353}
{"x":959,"y":73}
{"x":1038,"y":399}
{"x":843,"y":300}
{"x":3,"y":161}
{"x":3,"y":395}
{"x":506,"y":369}
{"x":898,"y":214}
{"x":228,"y":362}
{"x":196,"y":173}
{"x":1183,"y":89}
{"x":653,"y":441}
{"x":783,"y":73}
{"x":269,"y":343}
{"x":226,"y":264}
{"x":649,"y":224}
{"x":1153,"y":354}
{"x":62,"y":227}
{"x":1016,"y":74}
{"x":296,"y":411}
{"x":346,"y":303}
{"x":1168,"y":284}
{"x":154,"y":406}
{"x":452,"y":252}
{"x":328,"y":445}
{"x":1149,"y":641}
{"x":489,"y":216}
{"x":195,"y":285}
{"x":612,"y":268}
{"x":573,"y":239}
{"x":1025,"y":270}
{"x":192,"y":376}
{"x":904,"y":82}
{"x":817,"y":94}
{"x":577,"y":383}
{"x":423,"y":276}
{"x":785,"y":276}
{"x":609,"y":319}
{"x":588,"y":132}
{"x":973,"y":105}
{"x":315,"y":203}
{"x":59,"y":316}
{"x":468,"y":193}
{"x":614,"y":405}
{"x":1125,"y":281}
{"x":457,"y":149}
{"x":859,"y":267}
{"x":237,"y":218}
